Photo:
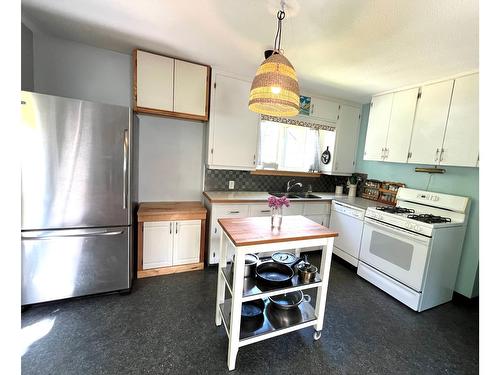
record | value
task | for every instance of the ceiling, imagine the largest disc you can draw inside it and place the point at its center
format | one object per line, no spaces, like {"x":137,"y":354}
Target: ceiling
{"x":340,"y":48}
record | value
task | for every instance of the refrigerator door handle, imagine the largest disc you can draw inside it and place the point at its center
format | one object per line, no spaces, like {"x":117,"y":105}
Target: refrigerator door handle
{"x":125,"y":168}
{"x":42,"y":236}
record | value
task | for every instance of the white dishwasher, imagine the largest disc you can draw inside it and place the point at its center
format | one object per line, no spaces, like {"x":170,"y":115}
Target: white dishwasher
{"x":347,"y":220}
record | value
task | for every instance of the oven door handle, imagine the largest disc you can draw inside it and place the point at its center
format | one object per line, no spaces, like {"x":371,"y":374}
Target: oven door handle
{"x":398,"y":231}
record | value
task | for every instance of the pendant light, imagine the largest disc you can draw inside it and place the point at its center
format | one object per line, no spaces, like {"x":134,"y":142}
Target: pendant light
{"x":275,"y":88}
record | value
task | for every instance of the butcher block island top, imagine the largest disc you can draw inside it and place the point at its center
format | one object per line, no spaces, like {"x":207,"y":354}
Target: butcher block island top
{"x":159,"y":211}
{"x":257,"y":230}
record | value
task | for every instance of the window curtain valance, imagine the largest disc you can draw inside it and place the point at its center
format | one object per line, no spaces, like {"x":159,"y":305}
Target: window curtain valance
{"x":298,"y":122}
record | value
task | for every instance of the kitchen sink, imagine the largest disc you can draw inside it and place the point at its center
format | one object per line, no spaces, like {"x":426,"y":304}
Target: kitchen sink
{"x":307,"y":195}
{"x":281,"y":194}
{"x":294,"y":195}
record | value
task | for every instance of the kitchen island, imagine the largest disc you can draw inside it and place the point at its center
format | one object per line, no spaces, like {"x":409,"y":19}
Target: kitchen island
{"x":254,"y":235}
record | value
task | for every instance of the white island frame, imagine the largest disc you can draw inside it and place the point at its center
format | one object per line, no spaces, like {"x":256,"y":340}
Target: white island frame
{"x":322,"y":237}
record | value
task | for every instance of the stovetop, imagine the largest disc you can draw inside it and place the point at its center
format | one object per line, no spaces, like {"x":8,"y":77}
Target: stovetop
{"x":410,"y":214}
{"x":395,"y":209}
{"x":429,"y":219}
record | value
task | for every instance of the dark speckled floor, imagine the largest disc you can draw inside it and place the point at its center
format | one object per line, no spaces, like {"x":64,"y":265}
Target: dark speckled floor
{"x":167,"y":326}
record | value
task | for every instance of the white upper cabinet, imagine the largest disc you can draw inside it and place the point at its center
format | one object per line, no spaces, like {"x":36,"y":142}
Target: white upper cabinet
{"x":378,"y":125}
{"x":232,"y":127}
{"x":430,"y":123}
{"x":400,"y":125}
{"x":347,"y":132}
{"x":461,"y":140}
{"x":170,"y":87}
{"x":190,"y":88}
{"x":154,"y":83}
{"x":324,"y":109}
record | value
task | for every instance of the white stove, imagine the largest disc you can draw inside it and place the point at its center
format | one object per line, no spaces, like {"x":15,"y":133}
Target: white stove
{"x":412,"y":251}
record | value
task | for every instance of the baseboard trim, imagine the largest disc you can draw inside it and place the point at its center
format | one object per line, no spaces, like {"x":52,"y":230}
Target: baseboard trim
{"x":460,"y":299}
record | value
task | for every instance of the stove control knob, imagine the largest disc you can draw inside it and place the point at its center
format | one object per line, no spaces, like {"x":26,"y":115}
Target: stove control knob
{"x":418,"y":228}
{"x":407,"y":225}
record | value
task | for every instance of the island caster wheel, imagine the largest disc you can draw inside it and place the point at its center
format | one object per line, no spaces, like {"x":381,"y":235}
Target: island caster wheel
{"x":317,"y":335}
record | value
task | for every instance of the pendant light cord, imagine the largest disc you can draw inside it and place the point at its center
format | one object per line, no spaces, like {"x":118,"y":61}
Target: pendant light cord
{"x":277,"y":39}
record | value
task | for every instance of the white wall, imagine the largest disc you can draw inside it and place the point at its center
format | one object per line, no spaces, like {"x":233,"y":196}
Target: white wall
{"x":170,"y":159}
{"x":26,"y":58}
{"x":170,"y":151}
{"x":80,"y":71}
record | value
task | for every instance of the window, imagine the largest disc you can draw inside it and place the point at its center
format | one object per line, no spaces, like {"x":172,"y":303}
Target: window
{"x":288,"y":147}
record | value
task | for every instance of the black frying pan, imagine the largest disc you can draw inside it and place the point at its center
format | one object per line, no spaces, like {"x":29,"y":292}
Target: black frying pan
{"x":275,"y":274}
{"x":252,"y":315}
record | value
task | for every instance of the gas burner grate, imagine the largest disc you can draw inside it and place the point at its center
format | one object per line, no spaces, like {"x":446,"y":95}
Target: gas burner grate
{"x":395,"y":210}
{"x":430,"y":219}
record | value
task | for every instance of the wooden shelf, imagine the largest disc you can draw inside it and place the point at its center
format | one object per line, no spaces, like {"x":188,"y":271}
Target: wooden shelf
{"x":273,"y":172}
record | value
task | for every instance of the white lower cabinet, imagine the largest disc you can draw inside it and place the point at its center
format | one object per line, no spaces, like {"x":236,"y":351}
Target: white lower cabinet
{"x":316,"y":211}
{"x":171,"y":243}
{"x":157,"y":245}
{"x":186,"y":242}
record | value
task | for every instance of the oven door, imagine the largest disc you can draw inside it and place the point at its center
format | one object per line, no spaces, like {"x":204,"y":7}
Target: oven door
{"x":396,"y":252}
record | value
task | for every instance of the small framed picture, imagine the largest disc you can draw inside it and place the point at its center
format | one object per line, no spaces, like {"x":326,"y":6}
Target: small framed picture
{"x":305,"y":105}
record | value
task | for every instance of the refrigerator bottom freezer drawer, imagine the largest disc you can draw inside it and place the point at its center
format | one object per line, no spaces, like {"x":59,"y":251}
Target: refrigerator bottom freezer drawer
{"x":65,"y":263}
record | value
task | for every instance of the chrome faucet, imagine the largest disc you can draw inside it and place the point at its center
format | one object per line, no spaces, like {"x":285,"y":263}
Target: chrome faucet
{"x":290,"y":187}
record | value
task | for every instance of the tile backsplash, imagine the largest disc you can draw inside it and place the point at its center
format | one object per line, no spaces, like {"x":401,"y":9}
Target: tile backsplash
{"x":218,"y":180}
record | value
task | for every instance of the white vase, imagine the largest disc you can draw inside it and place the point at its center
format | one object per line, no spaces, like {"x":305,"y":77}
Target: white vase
{"x":276,"y":217}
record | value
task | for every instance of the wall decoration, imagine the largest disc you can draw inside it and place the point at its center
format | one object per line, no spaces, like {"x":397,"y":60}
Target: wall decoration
{"x":305,"y":105}
{"x":326,"y":156}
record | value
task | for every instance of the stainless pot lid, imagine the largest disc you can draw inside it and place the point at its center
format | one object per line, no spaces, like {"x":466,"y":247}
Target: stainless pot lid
{"x":283,"y":257}
{"x":251,"y":259}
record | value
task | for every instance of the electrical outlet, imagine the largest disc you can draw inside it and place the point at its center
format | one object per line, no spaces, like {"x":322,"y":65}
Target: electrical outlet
{"x":231,"y":185}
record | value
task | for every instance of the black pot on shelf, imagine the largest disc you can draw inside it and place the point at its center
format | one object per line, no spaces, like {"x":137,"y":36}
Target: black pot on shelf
{"x":252,"y":315}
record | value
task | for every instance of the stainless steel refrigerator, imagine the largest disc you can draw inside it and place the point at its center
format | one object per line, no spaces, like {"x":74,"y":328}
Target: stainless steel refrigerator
{"x":76,"y":233}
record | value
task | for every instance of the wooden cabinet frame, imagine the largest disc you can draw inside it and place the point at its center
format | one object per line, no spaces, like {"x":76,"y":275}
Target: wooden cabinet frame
{"x":160,"y":112}
{"x":169,"y":211}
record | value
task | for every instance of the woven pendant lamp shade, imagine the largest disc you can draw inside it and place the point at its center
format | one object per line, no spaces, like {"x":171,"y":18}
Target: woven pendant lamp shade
{"x":275,"y":88}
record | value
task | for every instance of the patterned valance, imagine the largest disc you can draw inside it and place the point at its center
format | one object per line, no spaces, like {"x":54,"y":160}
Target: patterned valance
{"x":297,"y":122}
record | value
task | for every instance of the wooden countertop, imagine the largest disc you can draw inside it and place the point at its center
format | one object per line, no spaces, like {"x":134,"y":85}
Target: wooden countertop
{"x":165,"y":211}
{"x":257,"y":230}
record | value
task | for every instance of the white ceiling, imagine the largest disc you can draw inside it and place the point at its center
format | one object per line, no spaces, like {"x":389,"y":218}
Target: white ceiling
{"x":340,"y":48}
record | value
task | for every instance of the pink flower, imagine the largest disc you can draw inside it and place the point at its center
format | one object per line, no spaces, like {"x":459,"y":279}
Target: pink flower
{"x":275,"y":202}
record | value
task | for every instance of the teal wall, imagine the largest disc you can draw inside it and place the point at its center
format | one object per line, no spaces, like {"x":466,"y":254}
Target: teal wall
{"x":456,"y":180}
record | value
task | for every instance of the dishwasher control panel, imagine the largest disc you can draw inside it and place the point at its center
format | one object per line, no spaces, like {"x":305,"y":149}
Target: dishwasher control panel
{"x":349,"y":210}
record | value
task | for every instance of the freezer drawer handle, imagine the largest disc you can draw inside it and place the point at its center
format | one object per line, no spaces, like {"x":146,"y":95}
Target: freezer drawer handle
{"x":89,"y":234}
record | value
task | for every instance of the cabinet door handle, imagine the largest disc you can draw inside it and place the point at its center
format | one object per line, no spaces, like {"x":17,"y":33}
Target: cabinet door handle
{"x":176,"y":227}
{"x":265,"y":210}
{"x":170,"y":227}
{"x":312,"y":109}
{"x":386,"y":153}
{"x":441,"y":155}
{"x":436,"y":157}
{"x":234,"y":212}
{"x":382,"y":155}
{"x":215,"y":230}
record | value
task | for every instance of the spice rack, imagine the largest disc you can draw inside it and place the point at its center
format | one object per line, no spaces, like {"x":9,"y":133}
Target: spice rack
{"x":381,"y":191}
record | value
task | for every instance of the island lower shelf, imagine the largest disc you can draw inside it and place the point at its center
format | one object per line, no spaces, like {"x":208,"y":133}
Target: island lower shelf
{"x":273,"y":321}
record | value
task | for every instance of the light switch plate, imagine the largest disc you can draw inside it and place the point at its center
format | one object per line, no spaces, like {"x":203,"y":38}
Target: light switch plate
{"x":231,"y":185}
